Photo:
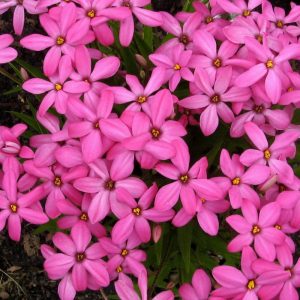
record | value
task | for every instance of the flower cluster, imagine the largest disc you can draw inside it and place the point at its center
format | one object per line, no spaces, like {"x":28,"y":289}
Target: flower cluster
{"x":116,"y":158}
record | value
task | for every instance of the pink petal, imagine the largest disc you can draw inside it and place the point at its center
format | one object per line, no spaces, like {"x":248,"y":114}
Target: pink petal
{"x":256,"y":135}
{"x":208,"y":221}
{"x":229,"y":277}
{"x":209,"y":120}
{"x":79,"y":277}
{"x":251,"y":76}
{"x":167,"y":196}
{"x":81,"y":237}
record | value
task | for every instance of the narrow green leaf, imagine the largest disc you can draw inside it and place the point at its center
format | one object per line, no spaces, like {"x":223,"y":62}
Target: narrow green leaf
{"x":51,"y":227}
{"x":12,"y":91}
{"x":33,"y":71}
{"x":30,"y":121}
{"x":148,"y":37}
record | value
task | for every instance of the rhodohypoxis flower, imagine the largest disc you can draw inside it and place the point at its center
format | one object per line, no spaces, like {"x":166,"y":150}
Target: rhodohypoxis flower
{"x":257,"y":228}
{"x":14,"y":207}
{"x":177,"y":66}
{"x":135,"y":215}
{"x":200,"y":288}
{"x":274,"y":155}
{"x":7,"y":54}
{"x":87,"y":128}
{"x":105,"y":180}
{"x":213,"y":98}
{"x":64,"y":36}
{"x":239,"y":7}
{"x":186,"y":180}
{"x":82,"y":260}
{"x":269,"y":67}
{"x":240,"y":181}
{"x":59,"y":88}
{"x":145,"y":16}
{"x":19,"y":12}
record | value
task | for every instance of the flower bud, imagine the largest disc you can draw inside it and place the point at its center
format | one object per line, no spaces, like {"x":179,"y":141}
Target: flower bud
{"x":156,"y":233}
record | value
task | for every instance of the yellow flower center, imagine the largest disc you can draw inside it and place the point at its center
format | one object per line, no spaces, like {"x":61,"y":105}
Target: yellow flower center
{"x":124,"y":252}
{"x":126,"y":3}
{"x":267,"y":154}
{"x":84,"y":216}
{"x":251,"y":284}
{"x":258,"y":109}
{"x":277,"y":226}
{"x":141,"y":99}
{"x":259,"y":38}
{"x":96,"y":125}
{"x":58,"y":86}
{"x":290,"y":89}
{"x":215,"y":99}
{"x":209,"y":19}
{"x":60,"y":41}
{"x":279,"y":24}
{"x":184,"y":178}
{"x":13,"y":208}
{"x":137,"y":211}
{"x":91,"y":14}
{"x":80,"y":257}
{"x":217,"y":62}
{"x":255,"y":229}
{"x":119,"y":269}
{"x":202,"y":200}
{"x":57,"y":181}
{"x":155,"y":133}
{"x":177,"y":67}
{"x":270,"y":64}
{"x":236,"y":181}
{"x":246,"y":13}
{"x":110,"y":185}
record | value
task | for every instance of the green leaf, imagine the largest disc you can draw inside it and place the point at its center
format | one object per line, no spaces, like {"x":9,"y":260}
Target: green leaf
{"x":142,"y":46}
{"x":51,"y":227}
{"x":30,"y":121}
{"x":148,"y":37}
{"x":33,"y":71}
{"x":12,"y":91}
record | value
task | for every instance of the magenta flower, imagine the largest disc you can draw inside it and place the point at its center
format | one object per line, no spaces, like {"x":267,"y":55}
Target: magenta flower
{"x":213,"y":98}
{"x":177,"y":66}
{"x":257,"y":228}
{"x":269,"y":67}
{"x":135,"y":216}
{"x":74,"y":215}
{"x":59,"y":88}
{"x":123,"y":257}
{"x":107,"y":178}
{"x":240,"y":181}
{"x":185,"y":183}
{"x":87,"y":127}
{"x":7,"y":54}
{"x":78,"y":258}
{"x":199,"y":289}
{"x":274,"y":155}
{"x":64,"y":36}
{"x":14,"y":207}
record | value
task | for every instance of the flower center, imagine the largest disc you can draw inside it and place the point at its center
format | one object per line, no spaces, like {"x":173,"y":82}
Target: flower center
{"x":177,"y":67}
{"x":267,"y":154}
{"x":155,"y":133}
{"x":259,"y":38}
{"x":57,"y":181}
{"x":215,"y":99}
{"x":290,"y":89}
{"x":246,"y":13}
{"x":251,"y":284}
{"x":203,"y":200}
{"x":91,"y":14}
{"x":217,"y":62}
{"x":58,"y":86}
{"x":60,"y":41}
{"x":270,"y":64}
{"x":281,"y":188}
{"x":110,"y":185}
{"x":184,"y":39}
{"x":84,"y":217}
{"x":278,"y":227}
{"x":124,"y":252}
{"x":137,"y":211}
{"x":279,"y":24}
{"x":119,"y":269}
{"x":126,"y":3}
{"x":184,"y":178}
{"x":236,"y":181}
{"x":80,"y":257}
{"x":255,"y":229}
{"x":13,"y":208}
{"x":258,"y":108}
{"x":96,"y":125}
{"x":209,"y":19}
{"x":141,"y":99}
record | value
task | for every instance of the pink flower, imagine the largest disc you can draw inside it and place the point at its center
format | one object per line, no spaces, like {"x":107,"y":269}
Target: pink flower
{"x":269,"y":67}
{"x":200,"y":288}
{"x":7,"y":54}
{"x":64,"y":36}
{"x":135,"y":216}
{"x":145,"y":16}
{"x":239,"y":7}
{"x":59,"y":88}
{"x":105,"y":180}
{"x":213,"y":98}
{"x":274,"y":156}
{"x":240,"y":181}
{"x":177,"y":66}
{"x":14,"y":207}
{"x":77,"y":257}
{"x":257,"y":228}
